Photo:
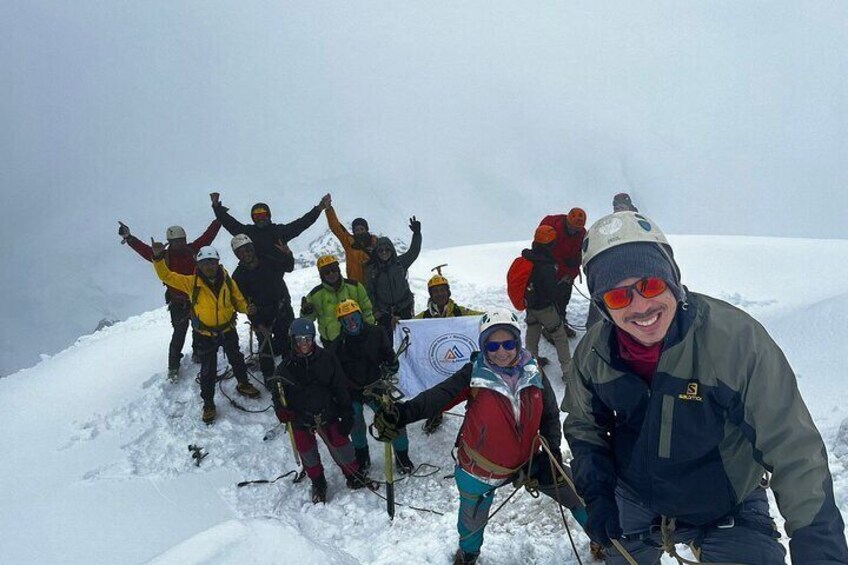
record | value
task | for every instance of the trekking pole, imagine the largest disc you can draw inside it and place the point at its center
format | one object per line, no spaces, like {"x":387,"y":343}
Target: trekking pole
{"x":290,"y":430}
{"x":387,"y":394}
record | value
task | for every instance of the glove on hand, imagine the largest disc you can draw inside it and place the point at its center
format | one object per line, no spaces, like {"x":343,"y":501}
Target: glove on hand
{"x":285,"y":415}
{"x":387,"y":425}
{"x":123,"y":230}
{"x":603,"y":525}
{"x":414,"y":225}
{"x":390,"y":368}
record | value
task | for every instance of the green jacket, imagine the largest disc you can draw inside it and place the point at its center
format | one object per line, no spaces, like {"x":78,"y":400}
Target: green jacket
{"x":324,"y":300}
{"x":722,"y":407}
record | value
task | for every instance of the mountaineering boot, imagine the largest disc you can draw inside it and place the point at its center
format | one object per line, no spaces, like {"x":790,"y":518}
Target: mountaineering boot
{"x":404,"y":464}
{"x":319,"y":489}
{"x":543,"y":361}
{"x":248,"y":390}
{"x":432,"y":424}
{"x":209,"y":413}
{"x":568,"y":331}
{"x":173,"y":375}
{"x":462,"y":558}
{"x":363,"y":457}
{"x":361,"y":480}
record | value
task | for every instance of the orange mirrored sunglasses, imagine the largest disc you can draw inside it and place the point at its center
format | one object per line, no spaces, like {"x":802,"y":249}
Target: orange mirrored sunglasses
{"x":621,"y":297}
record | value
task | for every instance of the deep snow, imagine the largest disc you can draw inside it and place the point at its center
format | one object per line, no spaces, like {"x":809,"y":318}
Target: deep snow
{"x":96,"y":467}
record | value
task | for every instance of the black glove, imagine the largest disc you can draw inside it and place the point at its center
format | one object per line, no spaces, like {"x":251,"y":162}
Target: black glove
{"x":390,"y":368}
{"x":603,"y":524}
{"x":346,"y":424}
{"x":123,"y":231}
{"x":414,"y":225}
{"x":387,"y":425}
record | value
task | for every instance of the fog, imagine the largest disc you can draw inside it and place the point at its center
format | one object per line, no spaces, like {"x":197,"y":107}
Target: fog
{"x":719,"y":117}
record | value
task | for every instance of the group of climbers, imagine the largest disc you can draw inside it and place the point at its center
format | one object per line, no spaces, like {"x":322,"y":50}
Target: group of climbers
{"x":669,"y":401}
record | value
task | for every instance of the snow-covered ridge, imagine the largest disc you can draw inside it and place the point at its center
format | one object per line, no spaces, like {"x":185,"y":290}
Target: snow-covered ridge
{"x":96,"y":467}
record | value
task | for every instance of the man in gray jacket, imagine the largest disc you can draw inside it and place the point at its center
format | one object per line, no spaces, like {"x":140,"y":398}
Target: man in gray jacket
{"x":678,"y":406}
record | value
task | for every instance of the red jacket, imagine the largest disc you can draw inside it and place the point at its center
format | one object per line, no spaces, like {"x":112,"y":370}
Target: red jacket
{"x":182,"y":262}
{"x":494,"y":442}
{"x":568,"y":249}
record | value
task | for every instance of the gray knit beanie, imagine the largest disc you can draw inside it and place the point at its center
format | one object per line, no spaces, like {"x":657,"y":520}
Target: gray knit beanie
{"x":640,"y":259}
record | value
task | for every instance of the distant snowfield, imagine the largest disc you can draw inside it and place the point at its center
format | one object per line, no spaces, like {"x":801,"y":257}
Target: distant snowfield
{"x":95,"y":466}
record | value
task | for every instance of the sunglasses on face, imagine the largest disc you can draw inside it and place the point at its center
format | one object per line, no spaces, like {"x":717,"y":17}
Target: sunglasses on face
{"x":621,"y":297}
{"x":301,"y":339}
{"x":508,"y":345}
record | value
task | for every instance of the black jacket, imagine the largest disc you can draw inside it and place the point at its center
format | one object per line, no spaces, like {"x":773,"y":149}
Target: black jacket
{"x":542,"y":289}
{"x":265,"y":237}
{"x":387,"y":284}
{"x":361,"y":356}
{"x":264,"y":286}
{"x":314,"y":386}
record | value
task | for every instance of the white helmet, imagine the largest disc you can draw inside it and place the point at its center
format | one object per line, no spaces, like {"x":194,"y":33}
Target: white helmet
{"x":240,"y":240}
{"x":207,"y":252}
{"x":617,"y":229}
{"x":175,"y":232}
{"x":499,"y":317}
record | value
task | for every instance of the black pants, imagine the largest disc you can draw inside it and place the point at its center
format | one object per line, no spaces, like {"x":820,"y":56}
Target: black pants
{"x":180,"y":313}
{"x":278,"y":343}
{"x":207,"y":349}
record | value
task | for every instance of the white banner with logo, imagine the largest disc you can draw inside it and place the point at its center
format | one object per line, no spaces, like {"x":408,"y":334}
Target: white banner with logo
{"x":438,"y":348}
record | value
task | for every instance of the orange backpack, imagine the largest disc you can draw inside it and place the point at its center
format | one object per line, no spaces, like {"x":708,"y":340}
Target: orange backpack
{"x":517,"y":279}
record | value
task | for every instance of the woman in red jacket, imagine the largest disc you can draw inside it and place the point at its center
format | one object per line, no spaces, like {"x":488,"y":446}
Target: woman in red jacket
{"x":509,"y":403}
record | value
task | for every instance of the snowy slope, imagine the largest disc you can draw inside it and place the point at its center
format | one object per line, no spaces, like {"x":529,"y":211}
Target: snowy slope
{"x":95,"y":466}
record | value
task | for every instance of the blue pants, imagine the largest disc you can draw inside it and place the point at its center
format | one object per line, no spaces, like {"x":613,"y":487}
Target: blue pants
{"x":476,"y":497}
{"x":359,"y":433}
{"x":748,"y":536}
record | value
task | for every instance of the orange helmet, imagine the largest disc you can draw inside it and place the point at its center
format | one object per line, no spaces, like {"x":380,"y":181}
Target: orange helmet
{"x":577,"y":218}
{"x":544,"y":235}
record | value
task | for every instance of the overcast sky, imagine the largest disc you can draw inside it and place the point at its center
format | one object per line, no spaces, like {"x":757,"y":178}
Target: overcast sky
{"x":479,"y":117}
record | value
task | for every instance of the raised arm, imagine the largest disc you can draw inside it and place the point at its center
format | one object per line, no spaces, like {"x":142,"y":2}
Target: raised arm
{"x":208,"y":236}
{"x":222,"y":215}
{"x":408,"y":258}
{"x":288,"y":232}
{"x":344,"y":236}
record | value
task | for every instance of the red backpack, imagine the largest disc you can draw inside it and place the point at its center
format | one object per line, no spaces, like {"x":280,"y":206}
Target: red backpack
{"x":517,"y":279}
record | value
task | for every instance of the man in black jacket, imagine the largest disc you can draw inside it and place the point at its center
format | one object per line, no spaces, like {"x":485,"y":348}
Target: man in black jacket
{"x":315,"y":400}
{"x":545,"y":301}
{"x":261,"y":282}
{"x":365,"y":354}
{"x":263,"y":232}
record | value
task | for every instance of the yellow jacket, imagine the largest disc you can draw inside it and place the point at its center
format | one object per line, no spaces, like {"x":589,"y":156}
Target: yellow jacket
{"x":210,"y":314}
{"x":355,"y":258}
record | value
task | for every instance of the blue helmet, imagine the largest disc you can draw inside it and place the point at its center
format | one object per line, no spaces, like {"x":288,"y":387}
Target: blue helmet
{"x":302,"y":326}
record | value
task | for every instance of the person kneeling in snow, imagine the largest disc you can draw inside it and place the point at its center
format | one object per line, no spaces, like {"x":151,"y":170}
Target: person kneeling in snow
{"x":678,"y":403}
{"x":511,"y":409}
{"x":316,"y":400}
{"x":214,"y":299}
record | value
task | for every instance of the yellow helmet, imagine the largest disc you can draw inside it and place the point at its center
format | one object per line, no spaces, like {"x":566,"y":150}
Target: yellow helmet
{"x":347,"y":307}
{"x":437,"y":280}
{"x":325,"y":260}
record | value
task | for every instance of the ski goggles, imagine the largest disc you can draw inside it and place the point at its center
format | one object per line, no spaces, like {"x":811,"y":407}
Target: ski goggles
{"x":621,"y":296}
{"x":299,"y":339}
{"x":508,"y":345}
{"x":260,"y":214}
